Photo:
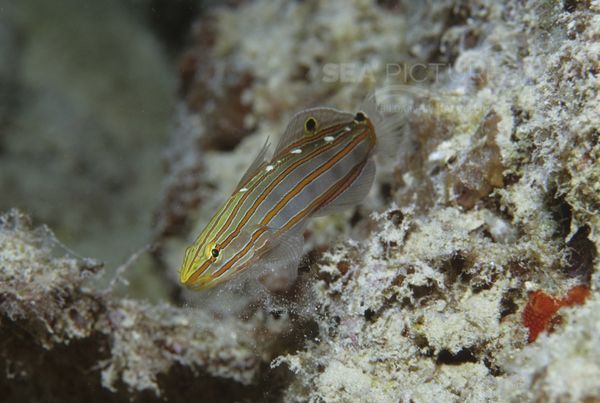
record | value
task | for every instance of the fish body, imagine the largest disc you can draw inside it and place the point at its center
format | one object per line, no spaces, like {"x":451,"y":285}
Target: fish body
{"x":323,"y":163}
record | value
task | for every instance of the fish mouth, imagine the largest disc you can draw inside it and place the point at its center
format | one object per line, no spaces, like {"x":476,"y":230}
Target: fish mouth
{"x":199,"y":283}
{"x":195,"y":277}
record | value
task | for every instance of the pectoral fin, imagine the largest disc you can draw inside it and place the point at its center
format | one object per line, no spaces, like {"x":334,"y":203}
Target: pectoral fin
{"x":280,"y":263}
{"x":354,"y":194}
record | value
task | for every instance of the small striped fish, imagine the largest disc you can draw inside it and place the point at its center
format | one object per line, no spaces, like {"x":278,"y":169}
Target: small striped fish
{"x":322,"y":164}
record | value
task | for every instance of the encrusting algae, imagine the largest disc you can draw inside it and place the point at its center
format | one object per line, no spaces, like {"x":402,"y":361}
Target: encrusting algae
{"x":540,"y":312}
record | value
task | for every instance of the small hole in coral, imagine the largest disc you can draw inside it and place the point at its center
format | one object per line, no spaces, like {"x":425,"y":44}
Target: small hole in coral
{"x":561,"y":213}
{"x":356,"y":218}
{"x":570,"y":5}
{"x":465,"y":355}
{"x":385,"y":191}
{"x":422,"y":291}
{"x":421,"y":341}
{"x":396,"y":217}
{"x":276,"y":314}
{"x":493,"y":368}
{"x":369,"y":315}
{"x":454,"y":267}
{"x":508,"y":305}
{"x":582,"y":253}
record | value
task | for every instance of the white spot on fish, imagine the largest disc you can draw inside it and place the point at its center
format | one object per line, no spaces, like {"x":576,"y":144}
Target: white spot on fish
{"x":296,"y":151}
{"x":347,"y":128}
{"x":242,"y":190}
{"x":329,"y":139}
{"x":269,"y":168}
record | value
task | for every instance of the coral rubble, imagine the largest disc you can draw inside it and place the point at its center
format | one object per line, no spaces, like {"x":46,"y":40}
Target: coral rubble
{"x":57,"y":330}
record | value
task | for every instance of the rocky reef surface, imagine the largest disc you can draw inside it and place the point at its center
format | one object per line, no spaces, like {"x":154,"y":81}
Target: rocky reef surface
{"x":469,"y":273}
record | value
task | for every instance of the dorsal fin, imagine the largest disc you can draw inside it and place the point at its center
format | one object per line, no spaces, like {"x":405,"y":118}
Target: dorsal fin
{"x":325,"y":117}
{"x":258,"y":161}
{"x":390,"y":124}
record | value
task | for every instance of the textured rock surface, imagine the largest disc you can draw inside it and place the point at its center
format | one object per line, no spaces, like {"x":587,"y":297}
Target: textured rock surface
{"x":492,"y":195}
{"x":429,"y":306}
{"x":61,"y":333}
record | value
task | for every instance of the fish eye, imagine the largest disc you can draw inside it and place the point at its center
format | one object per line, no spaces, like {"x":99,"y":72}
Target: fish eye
{"x":211,"y":251}
{"x":360,"y":117}
{"x":310,"y":125}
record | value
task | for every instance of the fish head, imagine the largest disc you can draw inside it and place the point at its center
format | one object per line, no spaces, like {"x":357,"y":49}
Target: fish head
{"x":209,"y":261}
